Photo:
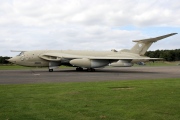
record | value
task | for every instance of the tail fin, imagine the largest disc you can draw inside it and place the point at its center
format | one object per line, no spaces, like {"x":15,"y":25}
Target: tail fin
{"x":143,"y":45}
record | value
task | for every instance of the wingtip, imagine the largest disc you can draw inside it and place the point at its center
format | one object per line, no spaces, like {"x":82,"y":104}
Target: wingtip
{"x":161,"y":37}
{"x":174,"y":33}
{"x":171,"y":34}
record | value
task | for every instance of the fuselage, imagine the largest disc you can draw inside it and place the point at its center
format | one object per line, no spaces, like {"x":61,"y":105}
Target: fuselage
{"x":34,"y":58}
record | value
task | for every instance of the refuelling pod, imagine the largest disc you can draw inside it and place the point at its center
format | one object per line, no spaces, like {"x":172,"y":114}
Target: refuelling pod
{"x":87,"y":63}
{"x":121,"y":63}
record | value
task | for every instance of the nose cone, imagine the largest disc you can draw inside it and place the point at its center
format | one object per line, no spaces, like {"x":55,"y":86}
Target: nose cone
{"x":12,"y":60}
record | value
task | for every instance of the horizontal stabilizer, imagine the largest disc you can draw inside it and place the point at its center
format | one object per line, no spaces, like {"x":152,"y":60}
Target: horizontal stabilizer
{"x":154,"y":39}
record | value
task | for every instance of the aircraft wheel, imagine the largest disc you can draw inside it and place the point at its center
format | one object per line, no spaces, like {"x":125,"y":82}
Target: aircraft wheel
{"x":79,"y":69}
{"x":50,"y":70}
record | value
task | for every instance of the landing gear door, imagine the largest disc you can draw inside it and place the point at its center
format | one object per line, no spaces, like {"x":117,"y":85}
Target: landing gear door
{"x":53,"y":65}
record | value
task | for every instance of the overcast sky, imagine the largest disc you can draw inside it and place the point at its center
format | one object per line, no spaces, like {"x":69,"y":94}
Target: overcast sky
{"x":86,"y":24}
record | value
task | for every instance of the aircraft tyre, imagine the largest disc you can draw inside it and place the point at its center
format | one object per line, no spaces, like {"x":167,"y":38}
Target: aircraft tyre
{"x":50,"y":70}
{"x":79,"y":69}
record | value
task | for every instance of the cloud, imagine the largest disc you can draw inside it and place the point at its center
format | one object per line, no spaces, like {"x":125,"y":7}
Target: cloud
{"x":84,"y":24}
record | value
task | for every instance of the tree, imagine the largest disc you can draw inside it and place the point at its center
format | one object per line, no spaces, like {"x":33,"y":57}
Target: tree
{"x":168,"y":55}
{"x":3,"y":60}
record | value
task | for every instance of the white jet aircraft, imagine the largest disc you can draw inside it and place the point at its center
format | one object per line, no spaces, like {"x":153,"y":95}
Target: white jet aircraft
{"x":87,"y":59}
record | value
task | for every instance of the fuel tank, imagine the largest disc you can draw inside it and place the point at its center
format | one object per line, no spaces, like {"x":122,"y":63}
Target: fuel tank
{"x":87,"y":63}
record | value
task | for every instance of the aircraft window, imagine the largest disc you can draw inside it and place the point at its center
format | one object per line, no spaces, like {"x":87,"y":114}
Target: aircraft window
{"x":21,"y":54}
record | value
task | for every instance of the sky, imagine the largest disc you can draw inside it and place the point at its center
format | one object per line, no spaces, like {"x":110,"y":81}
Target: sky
{"x":86,"y":24}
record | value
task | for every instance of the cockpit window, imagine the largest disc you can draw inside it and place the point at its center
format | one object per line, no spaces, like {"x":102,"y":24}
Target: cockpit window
{"x":21,"y":54}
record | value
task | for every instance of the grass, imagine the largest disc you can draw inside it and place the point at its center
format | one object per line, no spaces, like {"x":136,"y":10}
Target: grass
{"x":115,"y":100}
{"x":160,"y":63}
{"x":12,"y":67}
{"x":17,"y":67}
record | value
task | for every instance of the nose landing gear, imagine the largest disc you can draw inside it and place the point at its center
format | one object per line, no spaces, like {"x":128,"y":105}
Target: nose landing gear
{"x":53,"y":65}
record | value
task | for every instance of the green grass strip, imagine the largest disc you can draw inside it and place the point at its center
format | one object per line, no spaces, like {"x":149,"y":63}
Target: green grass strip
{"x":17,"y":67}
{"x":115,"y":100}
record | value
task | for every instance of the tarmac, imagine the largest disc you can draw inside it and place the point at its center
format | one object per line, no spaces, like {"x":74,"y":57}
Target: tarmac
{"x":32,"y":76}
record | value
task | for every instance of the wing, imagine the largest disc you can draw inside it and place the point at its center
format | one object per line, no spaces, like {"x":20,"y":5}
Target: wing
{"x":59,"y":56}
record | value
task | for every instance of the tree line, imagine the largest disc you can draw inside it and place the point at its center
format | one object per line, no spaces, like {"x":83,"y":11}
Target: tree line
{"x":167,"y":55}
{"x":3,"y":60}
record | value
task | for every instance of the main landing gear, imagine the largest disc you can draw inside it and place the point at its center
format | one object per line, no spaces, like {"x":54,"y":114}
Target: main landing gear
{"x":79,"y":69}
{"x":88,"y":69}
{"x":50,"y":70}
